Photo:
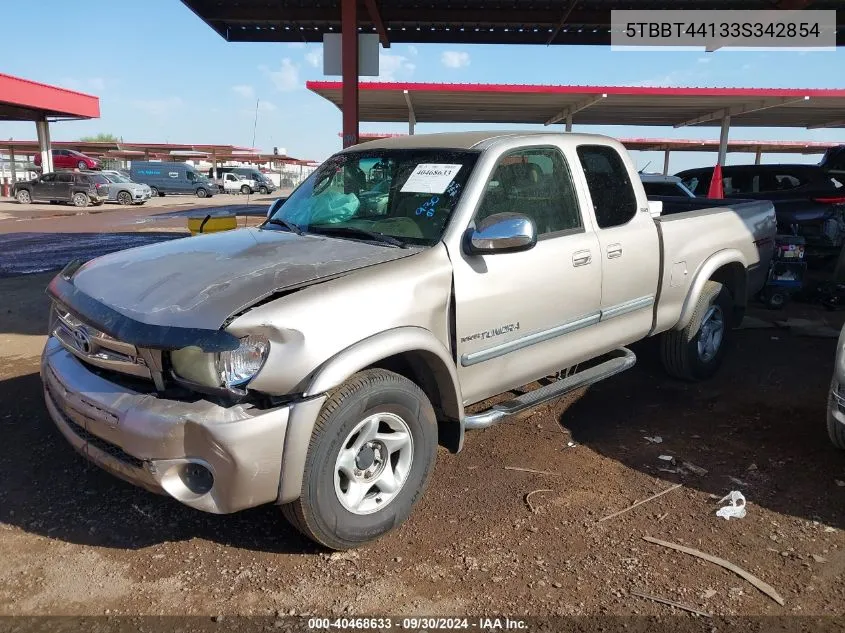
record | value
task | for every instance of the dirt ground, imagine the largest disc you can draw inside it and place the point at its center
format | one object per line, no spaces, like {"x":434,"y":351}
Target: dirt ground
{"x":76,"y":541}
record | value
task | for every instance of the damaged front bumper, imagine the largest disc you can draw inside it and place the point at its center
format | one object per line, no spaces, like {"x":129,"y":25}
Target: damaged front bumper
{"x":211,"y":458}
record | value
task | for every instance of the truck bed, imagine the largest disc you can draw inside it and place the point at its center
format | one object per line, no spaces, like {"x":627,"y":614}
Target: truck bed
{"x":690,"y":226}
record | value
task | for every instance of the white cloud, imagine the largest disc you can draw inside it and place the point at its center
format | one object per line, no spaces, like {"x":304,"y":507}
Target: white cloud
{"x":315,"y":57}
{"x":286,"y":78}
{"x":393,"y":67}
{"x":93,"y":84}
{"x":158,"y":107}
{"x":267,"y":106}
{"x":413,"y":50}
{"x":244,"y":90}
{"x":296,"y":45}
{"x":455,"y":59}
{"x":704,"y":60}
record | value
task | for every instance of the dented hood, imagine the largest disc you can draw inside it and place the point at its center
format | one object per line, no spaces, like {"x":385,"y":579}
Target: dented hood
{"x":199,"y":282}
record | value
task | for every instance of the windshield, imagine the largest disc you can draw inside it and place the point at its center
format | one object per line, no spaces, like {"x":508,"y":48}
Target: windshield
{"x":117,"y":178}
{"x":406,"y":194}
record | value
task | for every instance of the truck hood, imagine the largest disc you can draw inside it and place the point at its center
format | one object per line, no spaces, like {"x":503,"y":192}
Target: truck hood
{"x":201,"y":281}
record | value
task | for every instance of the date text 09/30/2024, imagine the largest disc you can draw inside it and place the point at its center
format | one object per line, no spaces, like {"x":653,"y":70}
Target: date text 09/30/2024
{"x":418,"y":624}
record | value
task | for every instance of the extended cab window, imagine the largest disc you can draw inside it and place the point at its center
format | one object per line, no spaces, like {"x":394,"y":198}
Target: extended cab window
{"x":614,"y":202}
{"x":535,"y":182}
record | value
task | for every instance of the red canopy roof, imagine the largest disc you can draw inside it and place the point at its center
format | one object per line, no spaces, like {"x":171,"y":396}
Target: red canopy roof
{"x":25,"y":100}
{"x":593,"y":105}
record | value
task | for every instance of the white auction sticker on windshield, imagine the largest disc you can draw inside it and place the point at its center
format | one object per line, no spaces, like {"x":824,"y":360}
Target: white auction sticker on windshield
{"x":430,"y":178}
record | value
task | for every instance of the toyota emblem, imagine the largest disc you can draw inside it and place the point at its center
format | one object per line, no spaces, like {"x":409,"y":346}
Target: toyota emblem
{"x":81,"y":340}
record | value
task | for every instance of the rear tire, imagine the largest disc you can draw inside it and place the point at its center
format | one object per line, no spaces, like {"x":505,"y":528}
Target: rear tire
{"x":80,"y":200}
{"x":24,"y":197}
{"x":154,"y":192}
{"x":374,"y":442}
{"x":696,"y":352}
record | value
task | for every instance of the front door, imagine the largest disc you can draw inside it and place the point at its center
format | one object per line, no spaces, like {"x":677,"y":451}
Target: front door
{"x":521,"y":316}
{"x":43,"y":187}
{"x":630,"y":248}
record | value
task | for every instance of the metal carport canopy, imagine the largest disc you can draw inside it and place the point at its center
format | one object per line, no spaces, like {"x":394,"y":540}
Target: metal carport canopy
{"x":592,"y":105}
{"x":25,"y":100}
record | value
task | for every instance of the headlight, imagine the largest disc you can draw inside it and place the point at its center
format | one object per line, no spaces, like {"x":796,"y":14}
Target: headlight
{"x":234,"y":368}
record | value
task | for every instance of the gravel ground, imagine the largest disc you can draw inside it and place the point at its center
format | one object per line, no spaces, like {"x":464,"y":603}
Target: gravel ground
{"x":76,"y":541}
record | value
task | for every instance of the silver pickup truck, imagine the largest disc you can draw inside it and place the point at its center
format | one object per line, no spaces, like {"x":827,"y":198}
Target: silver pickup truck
{"x":317,"y":361}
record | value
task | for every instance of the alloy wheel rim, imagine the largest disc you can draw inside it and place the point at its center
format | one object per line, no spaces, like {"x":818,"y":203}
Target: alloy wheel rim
{"x":373,"y":463}
{"x":711,"y":334}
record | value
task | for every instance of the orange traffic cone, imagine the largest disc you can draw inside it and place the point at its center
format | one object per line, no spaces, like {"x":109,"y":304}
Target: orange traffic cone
{"x":716,"y":190}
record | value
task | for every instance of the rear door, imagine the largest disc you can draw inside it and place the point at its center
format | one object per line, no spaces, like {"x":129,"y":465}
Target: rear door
{"x":62,"y":188}
{"x":629,"y":246}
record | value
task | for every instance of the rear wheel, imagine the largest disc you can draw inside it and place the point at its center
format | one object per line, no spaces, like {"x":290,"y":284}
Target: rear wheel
{"x":124,"y":198}
{"x":80,"y":199}
{"x":154,"y":192}
{"x":24,"y":196}
{"x":696,"y":352}
{"x":370,"y":459}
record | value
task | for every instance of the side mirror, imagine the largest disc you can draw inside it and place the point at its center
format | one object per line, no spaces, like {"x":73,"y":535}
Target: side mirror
{"x":502,"y":233}
{"x":274,"y":206}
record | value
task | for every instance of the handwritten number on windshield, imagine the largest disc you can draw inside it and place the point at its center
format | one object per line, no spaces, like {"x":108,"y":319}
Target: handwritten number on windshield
{"x":428,"y":208}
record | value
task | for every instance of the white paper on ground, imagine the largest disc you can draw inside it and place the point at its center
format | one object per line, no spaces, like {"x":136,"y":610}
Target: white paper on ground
{"x":737,"y":507}
{"x":430,"y":178}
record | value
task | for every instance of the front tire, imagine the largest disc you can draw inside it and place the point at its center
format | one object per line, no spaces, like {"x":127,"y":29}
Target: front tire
{"x":24,"y":197}
{"x":262,"y":191}
{"x":370,"y":459}
{"x":81,"y":165}
{"x":696,"y":352}
{"x":80,"y":200}
{"x":245,"y":190}
{"x":124,"y":198}
{"x":202,"y":193}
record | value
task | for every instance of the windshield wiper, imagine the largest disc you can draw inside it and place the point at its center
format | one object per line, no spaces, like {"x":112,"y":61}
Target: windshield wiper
{"x":290,"y":226}
{"x":355,"y":231}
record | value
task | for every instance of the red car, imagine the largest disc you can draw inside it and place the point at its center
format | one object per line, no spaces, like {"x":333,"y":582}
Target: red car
{"x":70,"y":159}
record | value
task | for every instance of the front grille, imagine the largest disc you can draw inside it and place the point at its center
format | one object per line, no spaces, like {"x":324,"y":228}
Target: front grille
{"x":98,"y":442}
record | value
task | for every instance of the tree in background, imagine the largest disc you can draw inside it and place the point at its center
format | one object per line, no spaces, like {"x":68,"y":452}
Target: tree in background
{"x":101,"y":138}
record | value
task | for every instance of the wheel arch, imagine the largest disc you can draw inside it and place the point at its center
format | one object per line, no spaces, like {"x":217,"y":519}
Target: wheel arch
{"x":727,"y":267}
{"x":412,"y":352}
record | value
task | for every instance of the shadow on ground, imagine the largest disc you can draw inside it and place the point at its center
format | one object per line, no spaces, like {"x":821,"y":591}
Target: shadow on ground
{"x":50,"y":490}
{"x":759,"y":426}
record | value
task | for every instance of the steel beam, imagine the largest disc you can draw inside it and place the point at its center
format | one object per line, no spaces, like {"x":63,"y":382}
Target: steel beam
{"x":375,"y":17}
{"x":412,"y":117}
{"x":563,"y":18}
{"x":745,"y":108}
{"x":349,"y":63}
{"x":575,"y":108}
{"x":666,"y":153}
{"x":43,"y":130}
{"x":819,"y":126}
{"x":723,"y":140}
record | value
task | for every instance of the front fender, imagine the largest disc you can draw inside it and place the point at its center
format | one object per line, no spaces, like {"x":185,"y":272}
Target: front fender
{"x":702,"y":275}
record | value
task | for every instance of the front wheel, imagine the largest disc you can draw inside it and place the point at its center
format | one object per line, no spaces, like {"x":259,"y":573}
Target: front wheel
{"x":202,"y":193}
{"x":24,"y":197}
{"x":262,"y":190}
{"x":370,"y":459}
{"x":124,"y":198}
{"x":81,"y":165}
{"x":696,"y":352}
{"x":245,"y":190}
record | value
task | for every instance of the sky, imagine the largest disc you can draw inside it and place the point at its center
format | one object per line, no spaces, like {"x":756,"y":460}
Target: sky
{"x":163,"y":76}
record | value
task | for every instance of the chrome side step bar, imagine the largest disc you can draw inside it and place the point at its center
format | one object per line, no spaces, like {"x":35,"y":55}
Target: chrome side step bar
{"x":617,"y":362}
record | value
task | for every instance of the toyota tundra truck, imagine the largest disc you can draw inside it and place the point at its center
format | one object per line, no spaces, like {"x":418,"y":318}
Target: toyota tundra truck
{"x":317,"y":361}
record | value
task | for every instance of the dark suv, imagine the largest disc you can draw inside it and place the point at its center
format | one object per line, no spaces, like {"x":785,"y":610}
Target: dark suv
{"x":64,"y":186}
{"x":809,"y":200}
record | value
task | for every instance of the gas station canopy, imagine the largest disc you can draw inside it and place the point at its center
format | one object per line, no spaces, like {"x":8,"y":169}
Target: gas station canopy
{"x":592,"y":105}
{"x":25,"y":100}
{"x":454,"y":21}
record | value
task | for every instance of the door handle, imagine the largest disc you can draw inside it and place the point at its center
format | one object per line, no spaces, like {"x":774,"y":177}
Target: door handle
{"x":614,"y":251}
{"x":581,"y":258}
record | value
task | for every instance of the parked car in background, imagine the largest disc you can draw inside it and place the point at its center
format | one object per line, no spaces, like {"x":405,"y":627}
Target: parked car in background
{"x":77,"y":188}
{"x":664,"y":185}
{"x":250,"y":367}
{"x":263,"y":184}
{"x":167,"y":178}
{"x":70,"y":159}
{"x":123,"y":191}
{"x":836,"y":396}
{"x":809,"y":200}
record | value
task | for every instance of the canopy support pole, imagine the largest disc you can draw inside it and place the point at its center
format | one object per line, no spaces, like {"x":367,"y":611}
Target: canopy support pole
{"x":349,"y":62}
{"x":758,"y":156}
{"x":569,"y":123}
{"x":412,"y":116}
{"x":12,"y":165}
{"x":43,"y":129}
{"x":666,"y":162}
{"x":723,"y":140}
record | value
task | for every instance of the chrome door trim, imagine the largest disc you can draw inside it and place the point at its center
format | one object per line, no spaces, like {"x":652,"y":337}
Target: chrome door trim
{"x":531,"y":339}
{"x":627,"y":307}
